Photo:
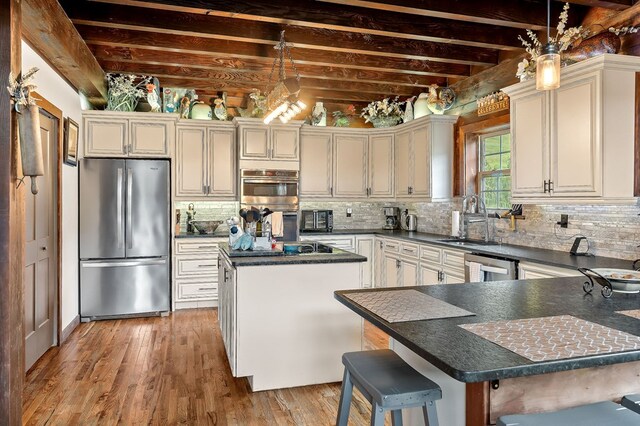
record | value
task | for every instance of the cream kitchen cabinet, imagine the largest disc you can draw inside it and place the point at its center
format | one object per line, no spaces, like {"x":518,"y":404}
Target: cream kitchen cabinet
{"x":441,"y":265}
{"x":118,"y":134}
{"x":363,"y":165}
{"x":424,"y":159}
{"x":530,"y":270}
{"x":195,"y":269}
{"x":350,"y":162}
{"x":258,"y":141}
{"x":575,"y":144}
{"x":205,"y":164}
{"x":316,"y":163}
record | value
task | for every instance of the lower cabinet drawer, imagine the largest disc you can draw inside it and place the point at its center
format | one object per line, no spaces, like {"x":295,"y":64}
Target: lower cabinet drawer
{"x":189,"y":290}
{"x":453,"y":259}
{"x":190,"y":267}
{"x":196,"y":246}
{"x":409,"y":249}
{"x":391,"y":246}
{"x":431,"y":254}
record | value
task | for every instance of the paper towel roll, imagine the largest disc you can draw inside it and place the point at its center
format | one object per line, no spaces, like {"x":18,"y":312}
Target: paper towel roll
{"x":455,"y":223}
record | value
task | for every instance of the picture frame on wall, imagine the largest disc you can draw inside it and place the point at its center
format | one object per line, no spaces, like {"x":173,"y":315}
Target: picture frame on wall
{"x":71,"y":132}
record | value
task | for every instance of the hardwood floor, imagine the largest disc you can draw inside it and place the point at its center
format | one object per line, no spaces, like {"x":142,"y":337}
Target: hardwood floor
{"x":169,"y":370}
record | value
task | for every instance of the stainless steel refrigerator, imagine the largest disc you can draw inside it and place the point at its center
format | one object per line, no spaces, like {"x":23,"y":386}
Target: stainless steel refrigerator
{"x":124,"y":238}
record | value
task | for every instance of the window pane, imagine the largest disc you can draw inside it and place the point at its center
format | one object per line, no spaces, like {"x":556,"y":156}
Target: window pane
{"x":491,"y":162}
{"x":490,"y":200}
{"x":505,"y":183}
{"x":492,"y":145}
{"x":504,"y":200}
{"x":506,"y":161}
{"x":489,"y":183}
{"x":506,"y":142}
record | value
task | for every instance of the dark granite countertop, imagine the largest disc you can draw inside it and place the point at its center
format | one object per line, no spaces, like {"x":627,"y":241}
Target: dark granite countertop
{"x":469,"y":358}
{"x":530,"y":254}
{"x":224,"y":234}
{"x":278,"y":257}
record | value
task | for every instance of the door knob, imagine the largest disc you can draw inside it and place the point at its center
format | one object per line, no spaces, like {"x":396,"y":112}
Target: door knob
{"x":43,"y":248}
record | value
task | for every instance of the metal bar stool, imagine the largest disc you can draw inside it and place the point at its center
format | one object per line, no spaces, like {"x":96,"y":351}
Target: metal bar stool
{"x":632,"y":402}
{"x":390,"y":384}
{"x":598,"y":414}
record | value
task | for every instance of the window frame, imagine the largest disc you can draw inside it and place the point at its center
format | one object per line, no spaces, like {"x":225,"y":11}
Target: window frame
{"x":481,"y":174}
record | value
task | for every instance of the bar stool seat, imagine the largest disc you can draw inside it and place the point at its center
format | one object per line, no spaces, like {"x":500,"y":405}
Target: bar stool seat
{"x":598,"y":414}
{"x":632,"y":402}
{"x":390,"y":384}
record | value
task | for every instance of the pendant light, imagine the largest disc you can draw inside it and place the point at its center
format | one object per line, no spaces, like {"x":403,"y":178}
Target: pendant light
{"x":548,"y":63}
{"x":282,"y":101}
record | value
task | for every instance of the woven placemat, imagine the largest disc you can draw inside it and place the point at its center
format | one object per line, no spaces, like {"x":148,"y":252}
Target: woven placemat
{"x":406,"y":305}
{"x":557,"y":337}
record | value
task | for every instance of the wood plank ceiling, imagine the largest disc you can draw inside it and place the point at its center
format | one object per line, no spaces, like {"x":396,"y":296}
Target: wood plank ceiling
{"x":346,"y":51}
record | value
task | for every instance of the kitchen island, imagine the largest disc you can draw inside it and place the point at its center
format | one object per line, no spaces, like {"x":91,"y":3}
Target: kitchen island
{"x":482,"y":380}
{"x":280,"y":324}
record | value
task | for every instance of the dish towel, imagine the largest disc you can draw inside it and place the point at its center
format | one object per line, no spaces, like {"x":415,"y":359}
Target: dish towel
{"x":476,"y":275}
{"x":277,"y":224}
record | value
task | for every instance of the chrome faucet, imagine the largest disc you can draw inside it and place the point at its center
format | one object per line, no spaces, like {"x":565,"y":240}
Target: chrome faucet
{"x":473,"y":211}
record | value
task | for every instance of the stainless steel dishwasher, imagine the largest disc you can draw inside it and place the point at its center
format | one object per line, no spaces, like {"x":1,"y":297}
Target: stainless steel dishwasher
{"x":489,"y":268}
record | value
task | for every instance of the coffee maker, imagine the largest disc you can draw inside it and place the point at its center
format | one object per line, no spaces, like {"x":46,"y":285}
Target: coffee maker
{"x":392,"y":218}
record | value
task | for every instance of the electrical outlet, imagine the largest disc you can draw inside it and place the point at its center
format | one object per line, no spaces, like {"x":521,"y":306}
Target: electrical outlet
{"x":349,"y":212}
{"x":564,"y":221}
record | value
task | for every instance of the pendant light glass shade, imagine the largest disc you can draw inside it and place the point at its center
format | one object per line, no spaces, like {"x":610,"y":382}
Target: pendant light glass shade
{"x":548,"y":69}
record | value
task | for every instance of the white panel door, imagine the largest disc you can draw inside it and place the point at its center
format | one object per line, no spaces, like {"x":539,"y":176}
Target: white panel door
{"x":530,"y":144}
{"x":316,"y":172}
{"x":106,"y":137}
{"x":285,"y":143}
{"x":350,"y":166}
{"x":150,"y":138}
{"x":40,"y":252}
{"x":222,"y":163}
{"x":575,"y":138}
{"x":391,"y":271}
{"x":381,"y":166}
{"x":420,"y":179}
{"x":402,"y":163}
{"x":191,"y":162}
{"x":429,"y":274}
{"x":254,"y":143}
{"x":365,"y":247}
{"x":409,"y":273}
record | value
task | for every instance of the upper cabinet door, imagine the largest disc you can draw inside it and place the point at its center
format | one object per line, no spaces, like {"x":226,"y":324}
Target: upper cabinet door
{"x":420,"y":179}
{"x":150,"y":138}
{"x":316,"y":164}
{"x":402,"y":162}
{"x":575,"y":138}
{"x":285,"y":143}
{"x":222,"y":163}
{"x":106,"y":137}
{"x":254,"y":143}
{"x":350,"y":161}
{"x":191,"y":162}
{"x":381,"y":166}
{"x":530,"y":144}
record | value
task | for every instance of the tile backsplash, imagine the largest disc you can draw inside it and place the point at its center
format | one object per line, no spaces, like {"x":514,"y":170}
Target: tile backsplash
{"x":207,"y":210}
{"x":612,"y":230}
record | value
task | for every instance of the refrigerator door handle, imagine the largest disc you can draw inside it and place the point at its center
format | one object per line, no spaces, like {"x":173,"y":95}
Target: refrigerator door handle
{"x":119,"y":207}
{"x":129,"y":207}
{"x":121,"y":264}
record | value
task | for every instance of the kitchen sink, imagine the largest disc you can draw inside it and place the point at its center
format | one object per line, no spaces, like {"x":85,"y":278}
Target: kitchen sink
{"x":467,"y":242}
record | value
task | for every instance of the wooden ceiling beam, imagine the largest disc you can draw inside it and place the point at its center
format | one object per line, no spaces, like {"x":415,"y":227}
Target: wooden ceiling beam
{"x":232,"y":64}
{"x":225,"y":28}
{"x":515,"y":14}
{"x":316,"y":14}
{"x":608,"y":4}
{"x":190,"y":44}
{"x":259,"y":81}
{"x":48,"y":30}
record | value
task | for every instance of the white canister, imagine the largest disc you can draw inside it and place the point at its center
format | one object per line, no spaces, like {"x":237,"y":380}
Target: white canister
{"x":421,"y":106}
{"x":320,"y":111}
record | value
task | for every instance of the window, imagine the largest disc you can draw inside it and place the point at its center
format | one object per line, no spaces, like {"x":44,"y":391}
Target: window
{"x":495,"y":170}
